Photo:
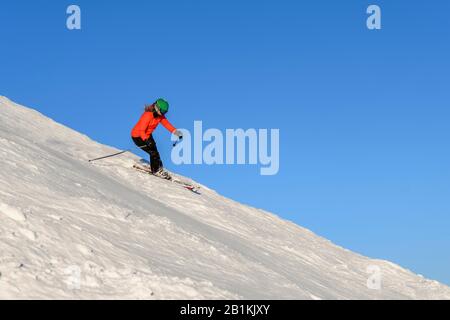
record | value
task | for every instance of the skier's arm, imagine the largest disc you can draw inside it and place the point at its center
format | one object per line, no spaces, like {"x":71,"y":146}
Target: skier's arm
{"x":168,"y":125}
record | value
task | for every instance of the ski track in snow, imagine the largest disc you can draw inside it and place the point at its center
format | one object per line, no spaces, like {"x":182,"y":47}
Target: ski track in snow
{"x":70,"y":229}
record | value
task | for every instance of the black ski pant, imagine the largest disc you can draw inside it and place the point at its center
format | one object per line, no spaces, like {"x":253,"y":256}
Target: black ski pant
{"x":149,"y":146}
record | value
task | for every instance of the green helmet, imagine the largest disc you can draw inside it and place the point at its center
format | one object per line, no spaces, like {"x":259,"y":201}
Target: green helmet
{"x":163,"y":105}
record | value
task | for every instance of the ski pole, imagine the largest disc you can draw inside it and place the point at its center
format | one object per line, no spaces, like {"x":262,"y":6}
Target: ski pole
{"x":176,"y":142}
{"x":109,"y":156}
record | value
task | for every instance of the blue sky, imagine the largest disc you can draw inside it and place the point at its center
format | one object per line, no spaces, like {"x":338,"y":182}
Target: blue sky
{"x":363,"y":115}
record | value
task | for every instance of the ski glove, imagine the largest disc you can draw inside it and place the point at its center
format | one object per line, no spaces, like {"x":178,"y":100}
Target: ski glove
{"x":179,"y":134}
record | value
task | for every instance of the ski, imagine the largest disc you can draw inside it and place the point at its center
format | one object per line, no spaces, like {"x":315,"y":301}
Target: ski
{"x":186,"y":185}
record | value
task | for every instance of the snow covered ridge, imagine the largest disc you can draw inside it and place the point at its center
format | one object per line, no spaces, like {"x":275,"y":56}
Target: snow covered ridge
{"x":74,"y":230}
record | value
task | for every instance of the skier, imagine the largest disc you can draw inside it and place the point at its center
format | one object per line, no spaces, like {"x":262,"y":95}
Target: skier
{"x":141,"y":134}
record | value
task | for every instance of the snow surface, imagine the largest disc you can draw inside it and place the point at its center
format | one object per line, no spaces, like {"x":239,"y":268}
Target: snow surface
{"x":70,"y":229}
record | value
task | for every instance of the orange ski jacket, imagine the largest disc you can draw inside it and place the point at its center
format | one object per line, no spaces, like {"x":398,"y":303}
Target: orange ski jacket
{"x":148,"y":123}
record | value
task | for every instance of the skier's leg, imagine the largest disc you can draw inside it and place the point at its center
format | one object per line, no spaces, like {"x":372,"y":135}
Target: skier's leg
{"x":142,"y":145}
{"x":155,"y":158}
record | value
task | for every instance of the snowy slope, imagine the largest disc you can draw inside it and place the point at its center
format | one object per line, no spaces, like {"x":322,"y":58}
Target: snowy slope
{"x":63,"y":219}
